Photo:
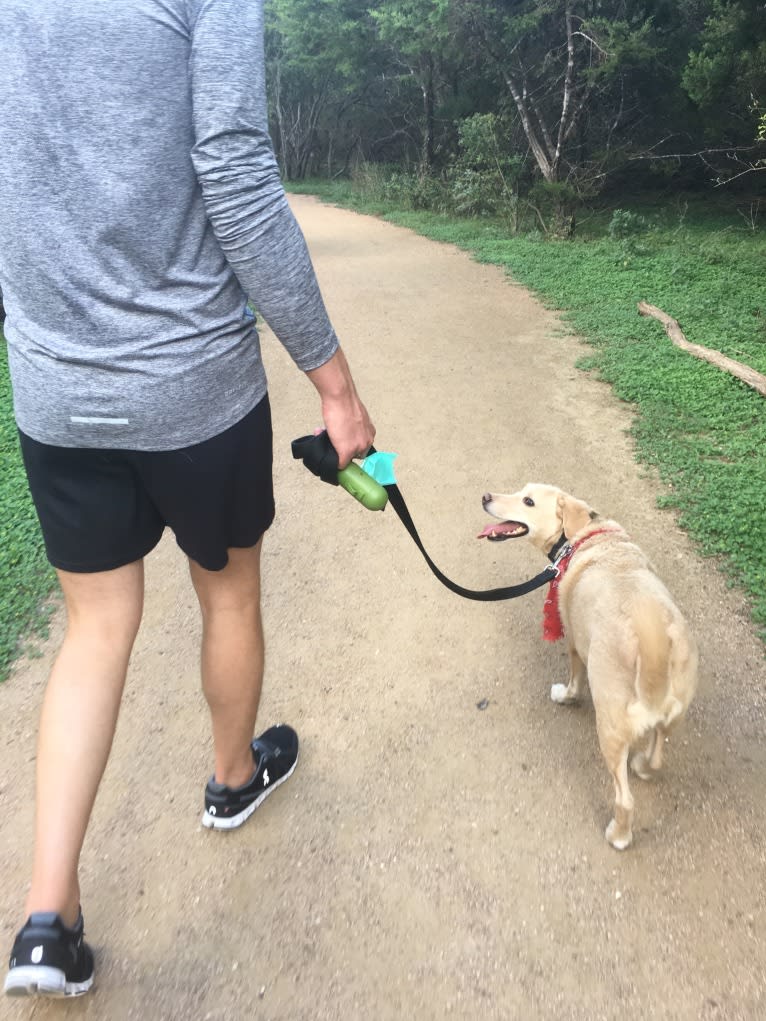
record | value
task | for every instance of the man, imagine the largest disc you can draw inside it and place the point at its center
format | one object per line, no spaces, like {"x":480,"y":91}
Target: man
{"x":140,"y":210}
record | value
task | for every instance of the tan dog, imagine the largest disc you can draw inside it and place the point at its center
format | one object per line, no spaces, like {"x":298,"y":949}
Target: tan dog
{"x":623,"y":631}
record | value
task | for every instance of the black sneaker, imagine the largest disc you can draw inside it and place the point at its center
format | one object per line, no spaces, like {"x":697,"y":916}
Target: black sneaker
{"x":275,"y":754}
{"x":48,"y":959}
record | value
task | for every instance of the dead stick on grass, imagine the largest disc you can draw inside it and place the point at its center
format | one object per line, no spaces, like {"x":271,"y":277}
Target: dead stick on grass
{"x":754,"y":379}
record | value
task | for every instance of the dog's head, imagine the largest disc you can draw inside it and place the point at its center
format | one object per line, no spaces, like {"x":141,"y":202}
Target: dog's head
{"x":539,"y":512}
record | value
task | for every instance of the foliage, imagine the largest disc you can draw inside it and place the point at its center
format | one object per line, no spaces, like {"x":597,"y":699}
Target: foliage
{"x":583,"y":93}
{"x":702,"y":430}
{"x":555,"y":202}
{"x":484,"y":177}
{"x":416,"y":191}
{"x":417,"y":35}
{"x":25,"y":575}
{"x":726,"y":72}
{"x":321,"y":60}
{"x":567,"y":67}
{"x":629,"y":230}
{"x":625,"y":223}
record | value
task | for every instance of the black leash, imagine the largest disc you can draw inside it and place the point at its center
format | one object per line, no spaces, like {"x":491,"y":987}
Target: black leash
{"x":396,"y":500}
{"x":319,"y":456}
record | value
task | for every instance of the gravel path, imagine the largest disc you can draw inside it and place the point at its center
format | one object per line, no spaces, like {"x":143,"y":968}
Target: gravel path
{"x":429,"y":859}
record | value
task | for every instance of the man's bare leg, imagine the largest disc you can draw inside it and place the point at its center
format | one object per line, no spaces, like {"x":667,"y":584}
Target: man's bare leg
{"x":232,"y":657}
{"x":77,"y":725}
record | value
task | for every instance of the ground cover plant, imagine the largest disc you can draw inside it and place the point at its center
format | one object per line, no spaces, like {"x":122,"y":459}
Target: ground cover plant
{"x":26,"y":578}
{"x":701,"y":429}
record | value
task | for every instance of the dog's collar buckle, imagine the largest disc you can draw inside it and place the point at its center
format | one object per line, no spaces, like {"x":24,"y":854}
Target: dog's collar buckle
{"x":559,"y":549}
{"x":563,"y":554}
{"x":560,"y":560}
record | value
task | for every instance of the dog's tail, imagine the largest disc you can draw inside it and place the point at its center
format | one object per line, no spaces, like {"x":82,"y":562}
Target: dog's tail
{"x":656,"y":703}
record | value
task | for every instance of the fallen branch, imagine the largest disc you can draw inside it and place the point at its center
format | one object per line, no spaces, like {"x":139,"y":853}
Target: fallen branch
{"x":754,"y":379}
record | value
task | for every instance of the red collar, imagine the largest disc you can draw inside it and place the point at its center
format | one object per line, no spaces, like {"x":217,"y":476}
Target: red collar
{"x":553,"y":629}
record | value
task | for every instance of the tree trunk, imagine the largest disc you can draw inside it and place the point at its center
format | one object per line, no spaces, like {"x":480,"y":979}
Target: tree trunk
{"x":427,"y":88}
{"x":563,"y":219}
{"x":535,"y":144}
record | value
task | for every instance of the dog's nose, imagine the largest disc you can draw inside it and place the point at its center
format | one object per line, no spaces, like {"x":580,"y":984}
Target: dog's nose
{"x":487,"y":498}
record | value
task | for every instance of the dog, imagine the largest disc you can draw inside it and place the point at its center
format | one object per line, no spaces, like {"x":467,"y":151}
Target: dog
{"x":624,"y":632}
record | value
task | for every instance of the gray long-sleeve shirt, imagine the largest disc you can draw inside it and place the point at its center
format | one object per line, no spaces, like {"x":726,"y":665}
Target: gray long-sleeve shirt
{"x":140,"y":209}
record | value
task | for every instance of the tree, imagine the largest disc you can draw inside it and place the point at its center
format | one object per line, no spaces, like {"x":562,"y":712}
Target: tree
{"x":320,"y":55}
{"x":725,"y":73}
{"x":419,"y":37}
{"x":573,"y":70}
{"x":582,"y":92}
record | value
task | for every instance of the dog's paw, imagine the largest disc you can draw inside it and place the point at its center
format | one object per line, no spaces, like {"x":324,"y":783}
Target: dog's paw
{"x":560,"y":694}
{"x":640,"y":766}
{"x":619,"y":840}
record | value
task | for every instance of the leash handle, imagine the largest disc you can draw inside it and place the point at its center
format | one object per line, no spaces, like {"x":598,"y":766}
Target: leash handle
{"x":321,"y":458}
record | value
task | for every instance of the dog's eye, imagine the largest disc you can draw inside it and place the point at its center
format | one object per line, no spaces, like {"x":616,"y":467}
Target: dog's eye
{"x":528,"y":501}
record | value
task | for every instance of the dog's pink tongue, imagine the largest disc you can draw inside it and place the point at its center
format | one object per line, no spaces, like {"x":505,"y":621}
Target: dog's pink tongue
{"x":498,"y":528}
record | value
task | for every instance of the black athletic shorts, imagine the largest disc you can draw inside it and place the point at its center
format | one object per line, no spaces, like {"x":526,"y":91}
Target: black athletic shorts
{"x":102,"y":509}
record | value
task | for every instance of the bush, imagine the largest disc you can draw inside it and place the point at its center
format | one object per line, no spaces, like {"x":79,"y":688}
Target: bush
{"x":417,"y":191}
{"x":484,"y":177}
{"x":555,"y":203}
{"x":625,"y":223}
{"x":369,"y":179}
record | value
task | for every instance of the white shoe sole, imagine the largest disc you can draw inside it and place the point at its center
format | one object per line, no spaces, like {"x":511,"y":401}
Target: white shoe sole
{"x":214,"y":822}
{"x":39,"y":980}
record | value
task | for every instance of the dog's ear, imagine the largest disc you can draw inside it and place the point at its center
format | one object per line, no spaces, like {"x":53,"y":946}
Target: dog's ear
{"x":575,"y":514}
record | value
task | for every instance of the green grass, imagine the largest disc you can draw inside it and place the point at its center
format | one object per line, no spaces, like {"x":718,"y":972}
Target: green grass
{"x":26,"y":578}
{"x":701,"y":429}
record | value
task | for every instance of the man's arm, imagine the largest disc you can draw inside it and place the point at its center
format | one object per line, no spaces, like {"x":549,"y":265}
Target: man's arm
{"x":247,"y":206}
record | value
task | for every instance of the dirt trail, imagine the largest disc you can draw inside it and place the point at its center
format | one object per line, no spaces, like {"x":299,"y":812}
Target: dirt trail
{"x":428,"y":860}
